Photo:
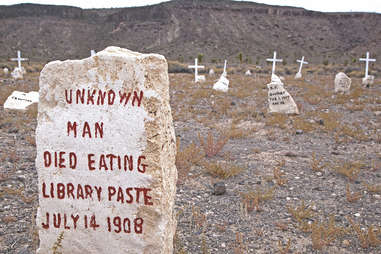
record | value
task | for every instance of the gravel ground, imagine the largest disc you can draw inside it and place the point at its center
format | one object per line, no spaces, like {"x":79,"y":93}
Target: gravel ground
{"x":210,"y":223}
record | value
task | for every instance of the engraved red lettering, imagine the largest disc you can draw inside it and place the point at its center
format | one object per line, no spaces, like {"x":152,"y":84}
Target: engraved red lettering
{"x":72,"y":127}
{"x":90,"y":161}
{"x":138,"y":98}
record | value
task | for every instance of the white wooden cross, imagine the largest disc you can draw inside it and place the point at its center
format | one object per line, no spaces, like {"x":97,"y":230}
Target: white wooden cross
{"x":274,"y":60}
{"x":19,"y":59}
{"x":225,"y":64}
{"x":195,"y":67}
{"x":92,"y":52}
{"x":367,"y":60}
{"x":301,"y":64}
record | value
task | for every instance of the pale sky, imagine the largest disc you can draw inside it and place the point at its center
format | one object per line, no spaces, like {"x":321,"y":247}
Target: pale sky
{"x":317,"y":5}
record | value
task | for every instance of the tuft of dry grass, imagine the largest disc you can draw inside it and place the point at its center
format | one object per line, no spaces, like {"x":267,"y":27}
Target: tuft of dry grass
{"x":213,"y":146}
{"x":352,"y":197}
{"x":368,"y":238}
{"x":349,"y":169}
{"x":316,"y":164}
{"x":253,"y":198}
{"x":222,"y":169}
{"x":324,"y":233}
{"x":186,"y":158}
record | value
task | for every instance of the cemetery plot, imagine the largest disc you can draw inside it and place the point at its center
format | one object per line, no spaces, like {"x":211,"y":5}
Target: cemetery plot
{"x":250,"y":181}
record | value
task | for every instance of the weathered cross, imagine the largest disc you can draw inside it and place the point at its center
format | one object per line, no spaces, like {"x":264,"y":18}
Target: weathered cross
{"x":92,"y":52}
{"x":367,"y":60}
{"x":19,"y":59}
{"x":301,"y":64}
{"x":195,"y":67}
{"x":274,"y":60}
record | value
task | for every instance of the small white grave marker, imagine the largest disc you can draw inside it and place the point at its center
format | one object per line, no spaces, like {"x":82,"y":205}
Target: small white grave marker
{"x":299,"y":73}
{"x":368,"y":79}
{"x":196,"y":67}
{"x":342,"y":83}
{"x":223,"y":83}
{"x":279,"y":99}
{"x":5,"y":71}
{"x":248,"y":73}
{"x":19,"y":59}
{"x":211,"y":72}
{"x":274,"y":60}
{"x":92,"y":52}
{"x":20,"y":100}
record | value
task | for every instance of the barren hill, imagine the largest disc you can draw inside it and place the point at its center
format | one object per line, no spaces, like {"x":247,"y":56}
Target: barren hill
{"x":182,"y":29}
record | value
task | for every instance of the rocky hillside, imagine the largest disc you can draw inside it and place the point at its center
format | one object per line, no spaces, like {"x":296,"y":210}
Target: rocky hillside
{"x":183,"y":29}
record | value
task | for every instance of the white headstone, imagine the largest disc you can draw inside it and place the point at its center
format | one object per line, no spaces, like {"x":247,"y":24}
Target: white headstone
{"x":248,"y":73}
{"x":368,"y":80}
{"x":342,"y":82}
{"x":18,"y":73}
{"x":19,"y":59}
{"x":211,"y":72}
{"x":92,"y":52}
{"x":6,"y":71}
{"x":279,"y":99}
{"x":196,"y":67}
{"x":274,"y":60}
{"x":222,"y":84}
{"x":106,"y":155}
{"x":20,"y":100}
{"x":299,"y":73}
{"x":367,"y":60}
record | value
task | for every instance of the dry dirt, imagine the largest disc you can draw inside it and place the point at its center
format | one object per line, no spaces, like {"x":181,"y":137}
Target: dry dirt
{"x":296,"y":158}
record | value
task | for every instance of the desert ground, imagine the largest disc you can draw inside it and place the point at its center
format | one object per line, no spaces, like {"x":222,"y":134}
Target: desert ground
{"x":249,"y":181}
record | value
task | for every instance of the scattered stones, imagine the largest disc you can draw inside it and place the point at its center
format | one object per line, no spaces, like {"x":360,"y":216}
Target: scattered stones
{"x":299,"y":132}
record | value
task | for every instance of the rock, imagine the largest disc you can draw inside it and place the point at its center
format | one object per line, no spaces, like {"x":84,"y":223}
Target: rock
{"x":299,"y":132}
{"x":279,"y":99}
{"x":321,"y":122}
{"x":115,"y":175}
{"x":219,"y":188}
{"x":368,"y":81}
{"x":298,"y":75}
{"x":232,"y":103}
{"x":357,"y":214}
{"x":377,"y":113}
{"x":6,"y":71}
{"x":222,"y":84}
{"x":211,"y":72}
{"x":342,"y":83}
{"x":21,"y":101}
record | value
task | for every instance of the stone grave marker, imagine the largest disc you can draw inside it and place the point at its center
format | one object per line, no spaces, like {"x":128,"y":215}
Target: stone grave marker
{"x":274,"y":60}
{"x":197,"y":77}
{"x":20,"y":100}
{"x":6,"y":71}
{"x":279,"y":99}
{"x":298,"y":75}
{"x":248,"y":73}
{"x":223,"y":83}
{"x":92,"y":52}
{"x":211,"y":72}
{"x":342,"y":83}
{"x":106,"y":155}
{"x":368,"y":79}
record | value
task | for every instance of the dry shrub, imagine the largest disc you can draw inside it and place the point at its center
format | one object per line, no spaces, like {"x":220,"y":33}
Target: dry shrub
{"x":277,"y":120}
{"x":186,"y":158}
{"x":253,"y":198}
{"x":278,"y":174}
{"x":324,"y":233}
{"x":373,"y":188}
{"x":367,"y":238}
{"x":222,"y":169}
{"x":213,"y":147}
{"x":301,"y":212}
{"x":352,"y":197}
{"x":16,"y":192}
{"x":349,"y":169}
{"x":316,"y":164}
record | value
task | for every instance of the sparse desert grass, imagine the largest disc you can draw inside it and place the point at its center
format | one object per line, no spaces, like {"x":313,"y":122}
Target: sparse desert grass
{"x":186,"y":158}
{"x":277,"y":120}
{"x":352,"y":196}
{"x":222,"y":170}
{"x":316,"y":163}
{"x":213,"y":146}
{"x":252,"y":199}
{"x":368,"y":237}
{"x":348,"y":169}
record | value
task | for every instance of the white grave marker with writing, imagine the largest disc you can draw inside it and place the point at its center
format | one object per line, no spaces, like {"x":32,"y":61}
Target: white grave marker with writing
{"x":106,"y":155}
{"x":20,"y":100}
{"x":274,"y":60}
{"x":298,"y":75}
{"x":368,"y":79}
{"x":342,"y":82}
{"x":280,"y":100}
{"x":197,"y":77}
